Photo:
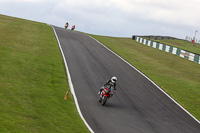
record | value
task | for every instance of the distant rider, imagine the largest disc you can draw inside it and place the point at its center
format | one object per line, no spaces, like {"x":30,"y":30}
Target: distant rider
{"x":66,"y":25}
{"x":110,"y":84}
{"x":73,"y":27}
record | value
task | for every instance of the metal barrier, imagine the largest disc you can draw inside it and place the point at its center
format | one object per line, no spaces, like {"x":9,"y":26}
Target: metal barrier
{"x":155,"y":37}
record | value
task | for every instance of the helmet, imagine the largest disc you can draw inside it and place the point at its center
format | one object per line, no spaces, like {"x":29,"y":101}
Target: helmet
{"x":113,"y":79}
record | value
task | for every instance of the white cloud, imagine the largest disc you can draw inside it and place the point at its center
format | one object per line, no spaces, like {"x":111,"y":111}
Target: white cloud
{"x":27,"y":1}
{"x":170,"y":11}
{"x":114,"y":17}
{"x":183,"y":12}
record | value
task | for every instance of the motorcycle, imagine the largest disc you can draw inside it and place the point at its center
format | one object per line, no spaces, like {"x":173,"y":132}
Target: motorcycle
{"x":66,"y":25}
{"x":73,"y":27}
{"x":104,"y":94}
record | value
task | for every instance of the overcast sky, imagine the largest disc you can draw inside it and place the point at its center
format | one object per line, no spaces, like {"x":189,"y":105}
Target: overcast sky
{"x":119,"y":18}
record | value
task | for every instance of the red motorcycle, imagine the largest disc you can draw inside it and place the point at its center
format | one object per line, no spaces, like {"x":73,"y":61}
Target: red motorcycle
{"x":73,"y":27}
{"x":105,"y":94}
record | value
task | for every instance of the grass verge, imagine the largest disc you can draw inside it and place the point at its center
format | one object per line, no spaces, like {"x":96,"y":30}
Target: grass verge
{"x":179,"y":77}
{"x":33,"y":81}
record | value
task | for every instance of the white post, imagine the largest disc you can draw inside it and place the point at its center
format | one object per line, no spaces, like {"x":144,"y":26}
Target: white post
{"x":195,"y":35}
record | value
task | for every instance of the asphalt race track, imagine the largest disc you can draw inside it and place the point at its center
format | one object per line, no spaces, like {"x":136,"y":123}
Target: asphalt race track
{"x":137,"y":106}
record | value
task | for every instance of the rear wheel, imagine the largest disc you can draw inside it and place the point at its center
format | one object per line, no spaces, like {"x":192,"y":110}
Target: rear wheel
{"x":104,"y":99}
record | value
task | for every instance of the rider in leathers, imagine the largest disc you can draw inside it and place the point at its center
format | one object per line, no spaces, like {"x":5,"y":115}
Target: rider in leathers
{"x":110,"y":84}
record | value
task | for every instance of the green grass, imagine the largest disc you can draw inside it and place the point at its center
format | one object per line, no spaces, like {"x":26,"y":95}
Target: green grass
{"x":179,"y":77}
{"x":33,"y":81}
{"x":182,"y":45}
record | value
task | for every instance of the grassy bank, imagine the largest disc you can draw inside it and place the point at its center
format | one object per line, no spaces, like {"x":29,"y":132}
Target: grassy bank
{"x":179,"y":77}
{"x":33,"y":81}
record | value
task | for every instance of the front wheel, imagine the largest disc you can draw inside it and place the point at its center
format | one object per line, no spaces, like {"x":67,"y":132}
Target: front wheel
{"x":100,"y":99}
{"x":104,"y":99}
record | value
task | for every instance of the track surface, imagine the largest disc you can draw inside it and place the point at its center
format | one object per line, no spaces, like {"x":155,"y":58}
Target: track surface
{"x":137,"y":106}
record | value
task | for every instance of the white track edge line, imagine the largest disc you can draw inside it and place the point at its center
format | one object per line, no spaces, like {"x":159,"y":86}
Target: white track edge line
{"x":149,"y":80}
{"x":71,"y":85}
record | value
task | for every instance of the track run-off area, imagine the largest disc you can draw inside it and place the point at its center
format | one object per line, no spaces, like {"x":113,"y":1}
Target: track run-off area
{"x":138,"y":105}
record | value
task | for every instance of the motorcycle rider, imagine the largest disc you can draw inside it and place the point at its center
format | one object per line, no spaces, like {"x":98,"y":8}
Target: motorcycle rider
{"x":110,"y":84}
{"x":66,"y":25}
{"x":73,"y":27}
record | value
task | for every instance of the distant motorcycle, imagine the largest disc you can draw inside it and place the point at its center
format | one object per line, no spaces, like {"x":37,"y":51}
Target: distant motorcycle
{"x":105,"y":94}
{"x":66,"y":25}
{"x":73,"y":27}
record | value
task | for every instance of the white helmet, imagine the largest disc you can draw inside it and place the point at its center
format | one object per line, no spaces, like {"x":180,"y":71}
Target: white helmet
{"x":113,"y":79}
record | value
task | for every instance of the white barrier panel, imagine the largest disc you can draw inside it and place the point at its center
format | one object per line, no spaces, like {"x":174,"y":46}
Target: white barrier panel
{"x":161,"y":46}
{"x":149,"y":43}
{"x":174,"y":50}
{"x":137,"y":39}
{"x":191,"y":56}
{"x":182,"y":53}
{"x":167,"y":49}
{"x":154,"y":44}
{"x":144,"y":41}
{"x":141,"y":40}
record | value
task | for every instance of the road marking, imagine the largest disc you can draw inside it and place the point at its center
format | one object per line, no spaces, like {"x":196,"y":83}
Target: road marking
{"x":71,"y":85}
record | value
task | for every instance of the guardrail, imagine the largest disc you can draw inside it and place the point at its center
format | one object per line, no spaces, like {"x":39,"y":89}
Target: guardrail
{"x":167,"y":48}
{"x":156,"y":37}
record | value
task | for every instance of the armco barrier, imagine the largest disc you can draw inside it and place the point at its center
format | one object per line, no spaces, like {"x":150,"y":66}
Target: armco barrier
{"x":170,"y":49}
{"x":156,"y":37}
